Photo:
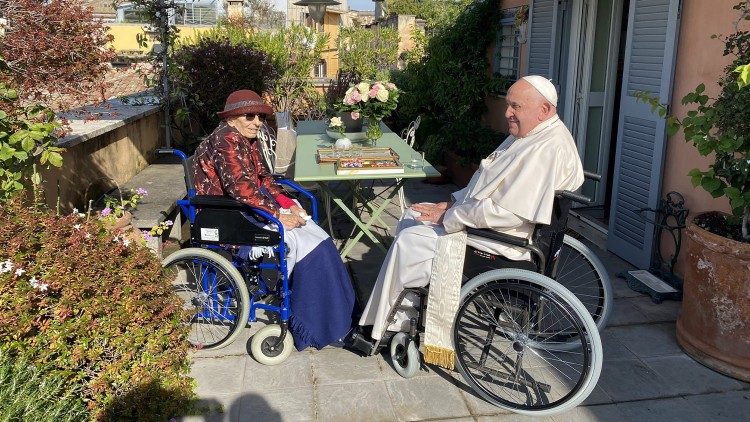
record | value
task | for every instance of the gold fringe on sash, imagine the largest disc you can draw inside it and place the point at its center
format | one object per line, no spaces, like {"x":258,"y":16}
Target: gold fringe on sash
{"x":439,"y":356}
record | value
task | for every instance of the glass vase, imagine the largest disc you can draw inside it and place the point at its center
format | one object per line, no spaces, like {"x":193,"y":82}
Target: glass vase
{"x":373,"y":131}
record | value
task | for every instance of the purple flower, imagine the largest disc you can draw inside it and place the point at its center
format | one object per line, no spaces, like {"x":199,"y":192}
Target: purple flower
{"x":147,"y":235}
{"x":141,"y":192}
{"x":105,"y":212}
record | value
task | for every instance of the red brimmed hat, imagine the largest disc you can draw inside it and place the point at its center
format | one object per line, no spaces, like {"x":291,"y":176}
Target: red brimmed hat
{"x":243,"y":102}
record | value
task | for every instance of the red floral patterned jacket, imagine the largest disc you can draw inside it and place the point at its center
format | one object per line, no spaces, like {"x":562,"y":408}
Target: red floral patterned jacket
{"x":227,"y":163}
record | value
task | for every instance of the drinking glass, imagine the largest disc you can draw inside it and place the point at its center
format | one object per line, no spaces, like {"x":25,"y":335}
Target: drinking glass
{"x":417,"y":158}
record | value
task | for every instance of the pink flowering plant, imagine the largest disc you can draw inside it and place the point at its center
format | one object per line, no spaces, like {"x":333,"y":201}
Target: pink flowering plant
{"x":375,"y":100}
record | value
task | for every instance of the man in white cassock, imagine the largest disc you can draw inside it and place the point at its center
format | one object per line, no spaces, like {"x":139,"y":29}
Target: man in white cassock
{"x":513,"y":189}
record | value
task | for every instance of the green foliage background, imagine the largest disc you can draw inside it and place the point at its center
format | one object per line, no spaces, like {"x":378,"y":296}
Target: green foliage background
{"x":450,"y":89}
{"x":368,"y":53}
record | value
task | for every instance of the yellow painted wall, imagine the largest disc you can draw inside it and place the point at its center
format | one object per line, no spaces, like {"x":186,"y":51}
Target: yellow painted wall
{"x":331,"y":54}
{"x":125,"y":35}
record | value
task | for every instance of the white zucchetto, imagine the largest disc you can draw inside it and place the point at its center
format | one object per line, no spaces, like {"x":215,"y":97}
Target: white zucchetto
{"x":544,"y":86}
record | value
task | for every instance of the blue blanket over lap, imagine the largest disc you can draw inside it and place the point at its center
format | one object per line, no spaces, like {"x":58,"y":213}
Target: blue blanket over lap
{"x":322,"y":298}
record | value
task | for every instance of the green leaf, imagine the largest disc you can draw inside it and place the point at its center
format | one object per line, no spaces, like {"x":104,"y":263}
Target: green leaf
{"x":55,"y":159}
{"x":6,"y":152}
{"x":710,"y":184}
{"x":27,"y":144}
{"x":743,"y":79}
{"x":732,"y":192}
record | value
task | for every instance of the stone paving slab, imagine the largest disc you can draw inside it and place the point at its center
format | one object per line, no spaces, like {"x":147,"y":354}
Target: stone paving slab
{"x":645,"y":374}
{"x":723,"y":407}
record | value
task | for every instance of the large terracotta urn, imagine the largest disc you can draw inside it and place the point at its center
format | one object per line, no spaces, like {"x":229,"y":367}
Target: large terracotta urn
{"x":714,"y":323}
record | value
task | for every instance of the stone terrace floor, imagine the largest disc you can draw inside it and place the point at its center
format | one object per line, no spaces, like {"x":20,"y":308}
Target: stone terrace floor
{"x":645,"y":376}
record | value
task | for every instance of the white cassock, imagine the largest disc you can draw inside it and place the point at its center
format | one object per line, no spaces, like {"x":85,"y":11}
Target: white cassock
{"x":513,"y":190}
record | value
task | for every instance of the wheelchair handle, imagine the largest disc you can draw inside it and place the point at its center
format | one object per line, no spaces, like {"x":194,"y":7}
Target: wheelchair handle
{"x":577,"y":197}
{"x":592,"y":176}
{"x":185,"y":166}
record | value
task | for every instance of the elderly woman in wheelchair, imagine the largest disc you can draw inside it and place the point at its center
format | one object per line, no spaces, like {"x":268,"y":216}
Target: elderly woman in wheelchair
{"x":242,"y":224}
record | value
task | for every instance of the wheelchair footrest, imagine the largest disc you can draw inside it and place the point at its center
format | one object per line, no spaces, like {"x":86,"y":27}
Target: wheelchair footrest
{"x":359,"y":343}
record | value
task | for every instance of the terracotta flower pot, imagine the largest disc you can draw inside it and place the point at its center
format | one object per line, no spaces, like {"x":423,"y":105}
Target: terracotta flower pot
{"x":714,"y":323}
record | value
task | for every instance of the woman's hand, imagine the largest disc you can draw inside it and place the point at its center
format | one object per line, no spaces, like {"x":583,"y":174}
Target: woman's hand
{"x":297,"y":210}
{"x":291,"y":221}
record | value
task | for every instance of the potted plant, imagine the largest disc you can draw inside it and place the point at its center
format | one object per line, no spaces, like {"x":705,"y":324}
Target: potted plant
{"x":714,"y":323}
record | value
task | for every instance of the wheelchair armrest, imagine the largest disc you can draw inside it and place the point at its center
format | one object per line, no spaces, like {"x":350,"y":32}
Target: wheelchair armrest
{"x":304,"y":192}
{"x":215,"y":201}
{"x":500,"y":237}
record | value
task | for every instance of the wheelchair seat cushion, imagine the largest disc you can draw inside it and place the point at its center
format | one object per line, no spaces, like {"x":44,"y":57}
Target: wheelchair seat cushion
{"x":230,"y":227}
{"x":477,"y":262}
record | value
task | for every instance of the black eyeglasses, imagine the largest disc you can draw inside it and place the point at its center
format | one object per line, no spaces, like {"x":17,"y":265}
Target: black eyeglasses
{"x":251,"y":116}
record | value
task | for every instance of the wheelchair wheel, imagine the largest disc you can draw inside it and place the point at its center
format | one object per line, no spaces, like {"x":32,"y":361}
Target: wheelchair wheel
{"x":213,"y":294}
{"x":506,"y":335}
{"x":581,"y":272}
{"x":262,"y":345}
{"x":405,"y":358}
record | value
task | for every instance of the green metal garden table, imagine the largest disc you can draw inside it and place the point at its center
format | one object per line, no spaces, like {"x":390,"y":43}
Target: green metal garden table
{"x":311,"y":136}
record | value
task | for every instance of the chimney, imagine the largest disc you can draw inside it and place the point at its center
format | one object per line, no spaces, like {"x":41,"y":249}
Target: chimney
{"x":378,"y":9}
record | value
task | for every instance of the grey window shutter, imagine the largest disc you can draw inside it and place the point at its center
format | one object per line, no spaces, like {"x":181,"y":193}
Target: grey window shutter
{"x":641,"y":136}
{"x":541,"y":45}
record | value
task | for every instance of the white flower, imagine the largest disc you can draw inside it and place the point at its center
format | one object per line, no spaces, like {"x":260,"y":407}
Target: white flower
{"x":126,"y":242}
{"x":88,"y":236}
{"x":115,"y":239}
{"x":363,"y":88}
{"x":75,"y":210}
{"x":336,"y":121}
{"x":34,"y":282}
{"x":6,"y":266}
{"x":77,"y":227}
{"x":382,"y":95}
{"x":19,"y":272}
{"x":43,"y":287}
{"x":81,"y":215}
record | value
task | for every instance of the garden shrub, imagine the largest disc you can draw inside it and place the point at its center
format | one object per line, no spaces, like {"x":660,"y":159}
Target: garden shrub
{"x":450,"y":89}
{"x":28,"y":394}
{"x":93,"y":307}
{"x":205,"y":73}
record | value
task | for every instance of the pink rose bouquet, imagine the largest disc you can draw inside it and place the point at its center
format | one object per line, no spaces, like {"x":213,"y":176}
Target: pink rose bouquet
{"x":375,"y":100}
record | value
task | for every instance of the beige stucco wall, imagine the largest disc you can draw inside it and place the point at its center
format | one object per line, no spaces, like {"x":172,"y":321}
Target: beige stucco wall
{"x":112,"y":157}
{"x":699,"y":60}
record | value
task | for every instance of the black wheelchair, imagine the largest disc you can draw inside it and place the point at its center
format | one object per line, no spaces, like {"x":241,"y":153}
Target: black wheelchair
{"x":526,"y":332}
{"x":221,"y":289}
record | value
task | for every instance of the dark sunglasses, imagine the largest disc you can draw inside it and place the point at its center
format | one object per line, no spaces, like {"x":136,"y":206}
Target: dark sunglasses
{"x":251,"y":116}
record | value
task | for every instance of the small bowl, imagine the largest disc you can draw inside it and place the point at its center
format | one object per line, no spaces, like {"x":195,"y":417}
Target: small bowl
{"x":353,"y":136}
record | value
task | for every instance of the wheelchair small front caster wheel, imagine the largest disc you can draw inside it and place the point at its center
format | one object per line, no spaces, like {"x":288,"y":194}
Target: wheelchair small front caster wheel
{"x":262,"y":345}
{"x":405,"y":357}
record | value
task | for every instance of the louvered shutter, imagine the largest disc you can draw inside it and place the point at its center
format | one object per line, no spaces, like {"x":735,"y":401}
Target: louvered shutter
{"x":641,"y":136}
{"x":542,"y":28}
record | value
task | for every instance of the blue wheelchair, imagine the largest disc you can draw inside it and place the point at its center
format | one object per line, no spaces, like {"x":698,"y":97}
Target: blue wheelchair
{"x":221,"y":290}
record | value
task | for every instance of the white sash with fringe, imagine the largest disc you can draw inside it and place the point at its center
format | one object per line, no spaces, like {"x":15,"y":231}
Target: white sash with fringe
{"x":442,"y":299}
